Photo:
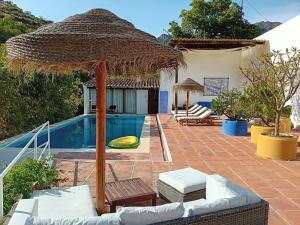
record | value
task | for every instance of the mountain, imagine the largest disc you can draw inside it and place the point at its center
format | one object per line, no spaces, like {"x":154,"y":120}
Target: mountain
{"x":267,"y":25}
{"x":164,"y":39}
{"x":14,"y":21}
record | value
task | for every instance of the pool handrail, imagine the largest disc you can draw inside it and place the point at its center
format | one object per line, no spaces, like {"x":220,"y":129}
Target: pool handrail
{"x":34,"y":138}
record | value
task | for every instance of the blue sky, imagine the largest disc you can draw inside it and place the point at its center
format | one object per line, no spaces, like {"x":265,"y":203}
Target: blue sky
{"x":153,"y":16}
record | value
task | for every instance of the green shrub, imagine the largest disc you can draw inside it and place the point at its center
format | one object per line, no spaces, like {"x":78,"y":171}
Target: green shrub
{"x":229,"y":104}
{"x":256,"y":108}
{"x":19,"y":181}
{"x":28,"y":101}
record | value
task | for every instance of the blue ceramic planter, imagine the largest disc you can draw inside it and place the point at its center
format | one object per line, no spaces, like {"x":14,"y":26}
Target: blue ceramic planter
{"x":235,"y":127}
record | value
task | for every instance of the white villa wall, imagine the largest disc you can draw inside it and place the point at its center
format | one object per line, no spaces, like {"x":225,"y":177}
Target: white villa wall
{"x":210,"y":64}
{"x":286,"y":36}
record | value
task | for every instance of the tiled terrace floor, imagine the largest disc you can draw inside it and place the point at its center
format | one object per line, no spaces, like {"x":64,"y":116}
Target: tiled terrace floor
{"x":206,"y":149}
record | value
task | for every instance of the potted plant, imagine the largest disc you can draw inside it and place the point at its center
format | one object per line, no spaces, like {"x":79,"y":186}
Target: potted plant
{"x":261,"y":116}
{"x":229,"y":104}
{"x":276,"y":78}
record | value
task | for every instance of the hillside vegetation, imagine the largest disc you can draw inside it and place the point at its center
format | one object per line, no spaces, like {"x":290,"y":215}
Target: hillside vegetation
{"x":14,"y":21}
{"x":30,"y":100}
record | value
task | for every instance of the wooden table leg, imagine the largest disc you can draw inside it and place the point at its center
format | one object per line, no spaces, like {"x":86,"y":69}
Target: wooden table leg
{"x":154,"y":200}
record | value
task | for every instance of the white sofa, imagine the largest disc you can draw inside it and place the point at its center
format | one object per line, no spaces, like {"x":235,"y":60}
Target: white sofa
{"x":74,"y":206}
{"x":55,"y":203}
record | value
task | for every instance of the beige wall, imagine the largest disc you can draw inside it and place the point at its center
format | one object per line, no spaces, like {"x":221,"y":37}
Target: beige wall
{"x":210,"y":64}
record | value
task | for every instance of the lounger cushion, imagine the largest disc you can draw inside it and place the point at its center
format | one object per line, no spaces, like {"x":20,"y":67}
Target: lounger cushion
{"x":202,"y":206}
{"x":106,"y":219}
{"x":219,"y":187}
{"x":24,"y":210}
{"x":150,"y":215}
{"x":65,"y":202}
{"x":184,"y":180}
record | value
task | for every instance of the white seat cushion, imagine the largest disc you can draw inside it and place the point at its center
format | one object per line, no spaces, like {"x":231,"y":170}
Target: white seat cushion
{"x":184,"y":180}
{"x":219,"y":187}
{"x":202,"y":206}
{"x":150,"y":215}
{"x":65,"y":202}
{"x":188,"y":206}
{"x":24,"y":210}
{"x":105,"y":219}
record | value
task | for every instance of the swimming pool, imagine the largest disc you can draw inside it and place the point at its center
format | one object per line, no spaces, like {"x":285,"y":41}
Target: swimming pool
{"x":80,"y":132}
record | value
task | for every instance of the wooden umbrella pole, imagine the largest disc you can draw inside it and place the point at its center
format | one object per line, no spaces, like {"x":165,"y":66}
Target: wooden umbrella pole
{"x":187,"y":105}
{"x":100,"y":136}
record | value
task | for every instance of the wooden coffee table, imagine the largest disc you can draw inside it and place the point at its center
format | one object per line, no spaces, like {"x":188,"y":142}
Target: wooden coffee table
{"x":128,"y":191}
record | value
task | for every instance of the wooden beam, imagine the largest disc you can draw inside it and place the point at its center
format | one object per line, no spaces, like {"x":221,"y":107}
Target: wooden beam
{"x":100,"y":136}
{"x":183,"y":44}
{"x":176,"y":93}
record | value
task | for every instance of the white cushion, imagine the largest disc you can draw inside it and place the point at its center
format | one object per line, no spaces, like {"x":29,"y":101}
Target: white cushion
{"x":184,"y":180}
{"x":219,"y":187}
{"x":24,"y":210}
{"x":149,"y":215}
{"x":106,"y":219}
{"x":202,"y":206}
{"x":65,"y":202}
{"x":188,"y":206}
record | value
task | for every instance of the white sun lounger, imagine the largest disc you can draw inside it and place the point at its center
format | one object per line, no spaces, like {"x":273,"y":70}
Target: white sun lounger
{"x":191,"y":110}
{"x":196,"y":109}
{"x":204,"y":118}
{"x":198,"y":113}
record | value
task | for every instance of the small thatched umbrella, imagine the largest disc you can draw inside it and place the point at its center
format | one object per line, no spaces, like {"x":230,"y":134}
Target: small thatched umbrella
{"x":188,"y":85}
{"x":98,"y":42}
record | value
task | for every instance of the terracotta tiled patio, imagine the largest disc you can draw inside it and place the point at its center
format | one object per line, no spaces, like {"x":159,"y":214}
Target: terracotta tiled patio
{"x":206,"y":149}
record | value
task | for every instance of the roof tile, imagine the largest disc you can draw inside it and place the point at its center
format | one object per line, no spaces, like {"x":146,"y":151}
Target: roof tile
{"x":127,"y":83}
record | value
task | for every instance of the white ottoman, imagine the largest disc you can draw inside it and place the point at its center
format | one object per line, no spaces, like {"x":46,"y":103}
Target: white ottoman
{"x":182,"y":185}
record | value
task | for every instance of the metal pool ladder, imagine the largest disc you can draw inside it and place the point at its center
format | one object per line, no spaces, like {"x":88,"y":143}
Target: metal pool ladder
{"x":43,"y":147}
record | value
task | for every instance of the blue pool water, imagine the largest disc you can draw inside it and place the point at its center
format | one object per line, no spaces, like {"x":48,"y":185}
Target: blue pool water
{"x":80,"y":132}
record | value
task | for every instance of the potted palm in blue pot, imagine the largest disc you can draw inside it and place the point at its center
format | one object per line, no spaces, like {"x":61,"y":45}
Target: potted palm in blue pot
{"x":229,"y":104}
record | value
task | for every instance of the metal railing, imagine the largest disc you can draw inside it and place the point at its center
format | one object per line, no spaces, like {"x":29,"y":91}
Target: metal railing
{"x":43,"y":147}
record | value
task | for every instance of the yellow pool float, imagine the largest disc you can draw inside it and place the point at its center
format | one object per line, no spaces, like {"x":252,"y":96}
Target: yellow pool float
{"x":124,"y":142}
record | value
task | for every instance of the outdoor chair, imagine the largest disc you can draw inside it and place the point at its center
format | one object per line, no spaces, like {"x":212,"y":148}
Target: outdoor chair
{"x":204,"y":118}
{"x":197,"y":113}
{"x":112,"y":109}
{"x":93,"y":108}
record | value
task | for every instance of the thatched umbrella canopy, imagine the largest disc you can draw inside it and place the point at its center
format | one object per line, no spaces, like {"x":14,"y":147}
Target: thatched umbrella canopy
{"x":188,"y":85}
{"x":98,"y":42}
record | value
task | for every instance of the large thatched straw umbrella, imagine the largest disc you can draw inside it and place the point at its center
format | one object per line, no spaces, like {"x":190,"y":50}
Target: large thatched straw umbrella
{"x":98,"y":42}
{"x":188,"y":85}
